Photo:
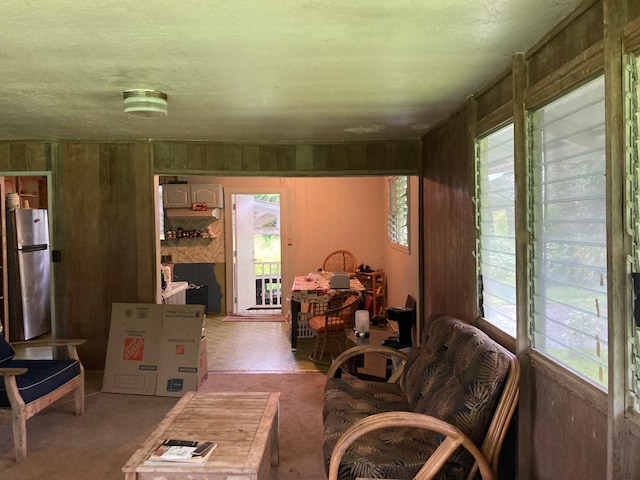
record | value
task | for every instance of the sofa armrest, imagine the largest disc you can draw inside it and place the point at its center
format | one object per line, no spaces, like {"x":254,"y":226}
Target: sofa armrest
{"x":70,"y":343}
{"x":12,"y":372}
{"x":363,"y":349}
{"x":454,"y":438}
{"x":9,"y":375}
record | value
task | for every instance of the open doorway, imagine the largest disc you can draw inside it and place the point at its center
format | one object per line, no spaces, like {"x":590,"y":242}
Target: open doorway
{"x":26,"y":283}
{"x":256,"y":253}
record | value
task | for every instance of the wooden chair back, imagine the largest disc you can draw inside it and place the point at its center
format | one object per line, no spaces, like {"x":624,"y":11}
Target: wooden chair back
{"x":340,"y":261}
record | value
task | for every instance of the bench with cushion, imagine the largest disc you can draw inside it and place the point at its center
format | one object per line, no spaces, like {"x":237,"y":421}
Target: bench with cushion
{"x":457,"y":385}
{"x":29,"y":386}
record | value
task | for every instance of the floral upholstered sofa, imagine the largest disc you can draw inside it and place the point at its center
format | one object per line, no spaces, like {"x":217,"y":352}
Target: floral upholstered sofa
{"x":457,"y":380}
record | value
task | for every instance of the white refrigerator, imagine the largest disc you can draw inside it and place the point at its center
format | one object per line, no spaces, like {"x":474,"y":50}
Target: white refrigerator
{"x":28,"y":273}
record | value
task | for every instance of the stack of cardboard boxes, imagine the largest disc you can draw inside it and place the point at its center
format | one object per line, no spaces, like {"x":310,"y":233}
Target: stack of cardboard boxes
{"x":155,"y":349}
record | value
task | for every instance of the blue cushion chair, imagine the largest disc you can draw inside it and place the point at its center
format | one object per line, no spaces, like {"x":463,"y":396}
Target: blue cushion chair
{"x":29,"y":386}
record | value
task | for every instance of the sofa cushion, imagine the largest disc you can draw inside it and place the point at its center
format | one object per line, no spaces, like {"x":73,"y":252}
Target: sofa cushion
{"x":460,"y":381}
{"x":42,"y":376}
{"x":6,"y":350}
{"x":348,"y":400}
{"x":319,"y":324}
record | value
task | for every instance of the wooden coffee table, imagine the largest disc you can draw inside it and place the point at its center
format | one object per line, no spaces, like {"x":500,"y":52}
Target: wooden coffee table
{"x":241,"y":423}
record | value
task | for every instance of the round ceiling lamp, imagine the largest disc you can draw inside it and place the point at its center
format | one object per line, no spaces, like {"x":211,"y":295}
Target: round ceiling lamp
{"x":145,"y":103}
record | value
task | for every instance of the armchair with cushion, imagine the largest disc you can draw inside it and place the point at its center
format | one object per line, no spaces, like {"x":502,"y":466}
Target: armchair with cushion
{"x":331,"y":319}
{"x":29,"y":386}
{"x":444,"y":413}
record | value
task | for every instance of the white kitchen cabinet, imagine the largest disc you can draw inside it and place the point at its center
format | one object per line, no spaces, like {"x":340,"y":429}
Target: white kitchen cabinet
{"x":209,"y":194}
{"x":176,"y":196}
{"x":182,"y":195}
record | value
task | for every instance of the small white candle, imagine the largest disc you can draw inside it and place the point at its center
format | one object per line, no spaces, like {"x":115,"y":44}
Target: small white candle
{"x":362,"y":321}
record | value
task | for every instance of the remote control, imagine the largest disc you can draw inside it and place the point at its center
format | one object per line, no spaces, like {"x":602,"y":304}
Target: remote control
{"x":202,"y":448}
{"x":172,"y":442}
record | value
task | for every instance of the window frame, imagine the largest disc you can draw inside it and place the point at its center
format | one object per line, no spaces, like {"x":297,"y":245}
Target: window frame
{"x":535,"y":241}
{"x":632,"y":228}
{"x":511,"y":219}
{"x":395,"y":203}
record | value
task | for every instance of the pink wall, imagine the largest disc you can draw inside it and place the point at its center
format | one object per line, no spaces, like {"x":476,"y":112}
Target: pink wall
{"x":402,"y":268}
{"x":322,"y":214}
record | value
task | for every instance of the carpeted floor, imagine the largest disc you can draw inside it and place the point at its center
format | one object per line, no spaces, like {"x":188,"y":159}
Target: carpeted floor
{"x":242,"y":356}
{"x":97,"y":444}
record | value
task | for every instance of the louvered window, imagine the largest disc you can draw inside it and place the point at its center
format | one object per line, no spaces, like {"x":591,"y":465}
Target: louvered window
{"x":160,"y":213}
{"x":632,"y":218}
{"x":398,"y":216}
{"x":569,"y":248}
{"x":495,"y":210}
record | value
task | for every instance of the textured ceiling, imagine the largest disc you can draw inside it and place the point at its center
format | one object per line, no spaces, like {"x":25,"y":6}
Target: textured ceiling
{"x":260,"y":70}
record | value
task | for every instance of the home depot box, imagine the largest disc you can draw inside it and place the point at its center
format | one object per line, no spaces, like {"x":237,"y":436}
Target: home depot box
{"x":133,"y":351}
{"x":155,"y":349}
{"x":180,"y":350}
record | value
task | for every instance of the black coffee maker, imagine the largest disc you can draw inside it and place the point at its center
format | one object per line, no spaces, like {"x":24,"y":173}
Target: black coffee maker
{"x":406,"y":318}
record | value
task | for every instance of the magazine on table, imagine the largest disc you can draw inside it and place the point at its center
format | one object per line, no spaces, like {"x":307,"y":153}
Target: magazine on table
{"x":186,"y":452}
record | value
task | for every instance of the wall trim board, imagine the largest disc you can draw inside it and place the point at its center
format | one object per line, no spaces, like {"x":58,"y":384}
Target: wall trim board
{"x":293,"y":160}
{"x":580,"y":69}
{"x":495,"y":119}
{"x":579,"y":387}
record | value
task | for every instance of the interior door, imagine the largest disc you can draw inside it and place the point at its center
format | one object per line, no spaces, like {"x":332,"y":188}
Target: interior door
{"x":244,"y":271}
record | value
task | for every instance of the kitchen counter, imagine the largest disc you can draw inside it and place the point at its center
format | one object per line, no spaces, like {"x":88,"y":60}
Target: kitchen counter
{"x":175,"y":293}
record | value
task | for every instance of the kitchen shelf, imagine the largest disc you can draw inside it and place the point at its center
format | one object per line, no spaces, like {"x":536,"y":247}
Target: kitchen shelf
{"x":210,"y":214}
{"x":188,"y":242}
{"x":375,"y":284}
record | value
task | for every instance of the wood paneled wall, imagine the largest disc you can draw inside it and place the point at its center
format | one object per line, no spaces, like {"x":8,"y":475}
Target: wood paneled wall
{"x":103,"y":219}
{"x":105,"y":229}
{"x":449,"y":235}
{"x":281,"y":160}
{"x":25,"y":157}
{"x":569,"y":429}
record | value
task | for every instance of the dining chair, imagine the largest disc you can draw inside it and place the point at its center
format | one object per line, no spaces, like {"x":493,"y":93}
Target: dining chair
{"x":340,"y":261}
{"x":330,"y":320}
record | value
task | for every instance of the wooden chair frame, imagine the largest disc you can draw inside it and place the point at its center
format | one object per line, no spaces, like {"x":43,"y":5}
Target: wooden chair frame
{"x":343,"y":315}
{"x":454,"y":438}
{"x":340,"y":261}
{"x":20,"y":412}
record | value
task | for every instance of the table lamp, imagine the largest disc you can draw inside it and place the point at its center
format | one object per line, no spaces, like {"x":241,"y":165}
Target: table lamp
{"x":362,"y":323}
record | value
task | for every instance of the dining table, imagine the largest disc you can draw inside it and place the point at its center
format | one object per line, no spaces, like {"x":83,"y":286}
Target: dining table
{"x":313,"y":287}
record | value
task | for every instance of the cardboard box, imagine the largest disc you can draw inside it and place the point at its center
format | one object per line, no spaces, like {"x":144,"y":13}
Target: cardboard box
{"x":203,"y":364}
{"x":155,"y":349}
{"x":133,"y":351}
{"x":180,"y":349}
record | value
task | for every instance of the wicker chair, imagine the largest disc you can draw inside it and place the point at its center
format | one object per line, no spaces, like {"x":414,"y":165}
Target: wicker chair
{"x":340,"y":261}
{"x":456,"y":388}
{"x":330,"y":320}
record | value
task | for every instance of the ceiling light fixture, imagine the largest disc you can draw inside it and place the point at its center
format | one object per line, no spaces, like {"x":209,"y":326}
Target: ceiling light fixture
{"x":145,"y":103}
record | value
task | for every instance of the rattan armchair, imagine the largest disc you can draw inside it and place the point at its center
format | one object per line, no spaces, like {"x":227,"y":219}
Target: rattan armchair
{"x":330,"y":320}
{"x":340,"y":261}
{"x":365,"y":423}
